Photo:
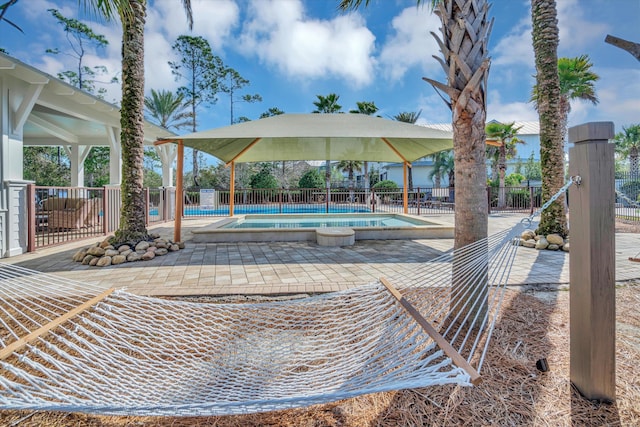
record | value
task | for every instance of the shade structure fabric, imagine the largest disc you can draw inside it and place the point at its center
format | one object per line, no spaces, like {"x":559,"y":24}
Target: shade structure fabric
{"x":320,"y":137}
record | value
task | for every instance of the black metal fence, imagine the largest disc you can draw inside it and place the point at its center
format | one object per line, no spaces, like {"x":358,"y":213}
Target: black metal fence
{"x":627,"y":196}
{"x":63,"y":214}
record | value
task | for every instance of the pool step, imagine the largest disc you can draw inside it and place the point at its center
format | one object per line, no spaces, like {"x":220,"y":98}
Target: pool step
{"x":335,"y":236}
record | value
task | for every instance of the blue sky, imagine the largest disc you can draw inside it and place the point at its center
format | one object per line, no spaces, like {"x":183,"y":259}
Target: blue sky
{"x":293,"y":50}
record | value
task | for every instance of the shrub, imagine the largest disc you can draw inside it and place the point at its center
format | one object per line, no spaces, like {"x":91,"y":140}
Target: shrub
{"x":311,"y":179}
{"x":385,"y":186}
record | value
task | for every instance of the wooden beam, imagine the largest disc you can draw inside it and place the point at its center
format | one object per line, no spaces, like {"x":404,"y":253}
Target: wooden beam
{"x":177,"y":225}
{"x":232,"y":188}
{"x":394,"y":149}
{"x":22,"y":342}
{"x":405,"y":189}
{"x":244,"y":150}
{"x":448,"y":349}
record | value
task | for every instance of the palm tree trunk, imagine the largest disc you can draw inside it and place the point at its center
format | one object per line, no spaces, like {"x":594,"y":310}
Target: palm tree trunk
{"x":633,"y":162}
{"x":132,"y":219}
{"x":545,"y":46}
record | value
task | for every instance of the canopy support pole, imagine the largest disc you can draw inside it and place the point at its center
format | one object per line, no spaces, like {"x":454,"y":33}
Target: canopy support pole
{"x":405,"y":189}
{"x":232,"y":187}
{"x":177,"y":228}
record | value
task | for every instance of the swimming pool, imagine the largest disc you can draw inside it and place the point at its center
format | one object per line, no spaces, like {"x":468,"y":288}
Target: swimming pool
{"x":284,"y":209}
{"x":292,"y":227}
{"x":315,"y":221}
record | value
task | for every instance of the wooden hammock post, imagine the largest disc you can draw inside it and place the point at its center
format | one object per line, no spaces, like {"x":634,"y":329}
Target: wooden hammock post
{"x":592,"y":261}
{"x":177,"y":227}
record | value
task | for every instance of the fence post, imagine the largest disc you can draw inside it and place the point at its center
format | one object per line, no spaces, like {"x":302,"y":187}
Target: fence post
{"x":531,"y":201}
{"x":592,"y":261}
{"x":31,"y":214}
{"x":105,"y":211}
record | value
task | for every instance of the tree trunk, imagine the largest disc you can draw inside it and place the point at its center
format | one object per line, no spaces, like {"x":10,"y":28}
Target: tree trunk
{"x":465,"y":32}
{"x":633,"y":163}
{"x":545,"y":45}
{"x":132,"y":218}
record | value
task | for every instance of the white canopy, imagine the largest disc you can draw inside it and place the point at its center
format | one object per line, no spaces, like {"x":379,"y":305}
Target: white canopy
{"x":319,"y":137}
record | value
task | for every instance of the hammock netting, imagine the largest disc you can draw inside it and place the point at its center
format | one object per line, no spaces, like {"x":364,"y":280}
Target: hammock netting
{"x":131,"y":354}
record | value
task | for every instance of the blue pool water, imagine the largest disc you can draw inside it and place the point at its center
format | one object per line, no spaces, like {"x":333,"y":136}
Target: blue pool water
{"x":319,"y":222}
{"x":243,"y":210}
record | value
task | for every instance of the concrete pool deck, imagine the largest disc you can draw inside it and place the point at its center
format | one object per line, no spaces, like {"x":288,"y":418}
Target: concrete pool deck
{"x":296,"y":267}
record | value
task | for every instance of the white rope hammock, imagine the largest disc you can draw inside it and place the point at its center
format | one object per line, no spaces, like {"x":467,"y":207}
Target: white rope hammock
{"x":76,"y":347}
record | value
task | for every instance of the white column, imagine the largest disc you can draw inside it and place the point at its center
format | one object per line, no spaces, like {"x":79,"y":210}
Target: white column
{"x":77,"y":155}
{"x":168,"y":154}
{"x":115,"y":156}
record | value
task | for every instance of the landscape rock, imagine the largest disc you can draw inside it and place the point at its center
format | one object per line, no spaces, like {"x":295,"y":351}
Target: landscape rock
{"x":565,"y":247}
{"x":531,"y":243}
{"x":553,"y":247}
{"x":555,"y":239}
{"x":104,"y":261}
{"x":134,"y":256}
{"x":542,"y":243}
{"x":96,"y":251}
{"x":79,"y":256}
{"x":103,"y":254}
{"x":142,"y":246}
{"x":528,"y":234}
{"x":87,"y":259}
{"x":118,"y":259}
{"x":126,"y":253}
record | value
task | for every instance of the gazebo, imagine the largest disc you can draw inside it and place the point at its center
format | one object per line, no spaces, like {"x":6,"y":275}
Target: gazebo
{"x":289,"y":137}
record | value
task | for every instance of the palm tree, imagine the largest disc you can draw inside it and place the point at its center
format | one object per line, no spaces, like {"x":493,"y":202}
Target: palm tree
{"x":167,"y":109}
{"x":327,"y":104}
{"x":577,"y":81}
{"x":408,"y":117}
{"x":465,"y":28}
{"x":369,"y":108}
{"x":544,"y":19}
{"x":507,"y":137}
{"x":440,"y":166}
{"x":628,"y":144}
{"x":349,"y":166}
{"x":132,"y":15}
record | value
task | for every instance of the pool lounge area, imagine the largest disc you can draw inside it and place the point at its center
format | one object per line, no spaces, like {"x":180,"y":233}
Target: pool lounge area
{"x":294,"y":227}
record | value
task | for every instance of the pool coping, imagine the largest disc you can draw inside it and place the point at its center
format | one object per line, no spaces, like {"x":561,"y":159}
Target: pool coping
{"x":213,"y":233}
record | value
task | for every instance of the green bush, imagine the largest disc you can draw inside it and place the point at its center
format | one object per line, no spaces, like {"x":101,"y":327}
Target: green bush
{"x":519,"y":198}
{"x":385,"y":186}
{"x":311,"y":179}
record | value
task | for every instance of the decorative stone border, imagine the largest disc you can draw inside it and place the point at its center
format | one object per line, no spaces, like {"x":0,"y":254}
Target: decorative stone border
{"x":552,"y":242}
{"x":103,"y":254}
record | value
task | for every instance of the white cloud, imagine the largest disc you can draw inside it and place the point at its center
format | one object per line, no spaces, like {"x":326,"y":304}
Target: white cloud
{"x":509,"y":111}
{"x":213,"y":20}
{"x":412,"y":44}
{"x":515,"y":47}
{"x":279,"y":34}
{"x":576,"y":32}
